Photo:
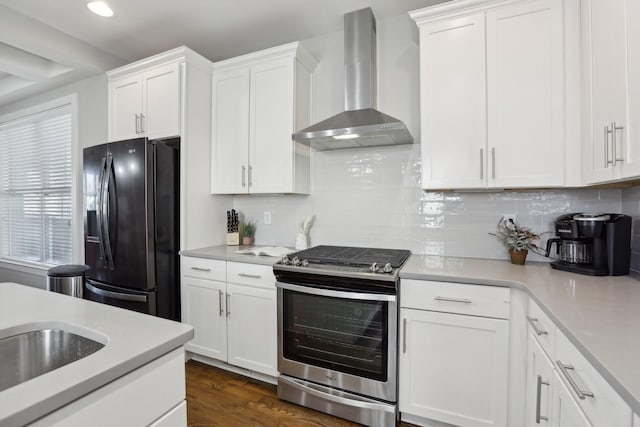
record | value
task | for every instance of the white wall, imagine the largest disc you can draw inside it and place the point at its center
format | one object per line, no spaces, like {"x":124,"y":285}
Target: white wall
{"x":92,"y":130}
{"x":372,"y":197}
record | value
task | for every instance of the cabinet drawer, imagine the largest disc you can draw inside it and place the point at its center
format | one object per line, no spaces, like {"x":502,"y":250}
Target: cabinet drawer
{"x":543,"y":328}
{"x":251,"y":274}
{"x":599,"y":401}
{"x":203,"y":268}
{"x":475,"y":300}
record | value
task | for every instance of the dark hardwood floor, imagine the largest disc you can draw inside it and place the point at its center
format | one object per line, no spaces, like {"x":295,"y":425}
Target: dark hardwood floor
{"x":219,"y":398}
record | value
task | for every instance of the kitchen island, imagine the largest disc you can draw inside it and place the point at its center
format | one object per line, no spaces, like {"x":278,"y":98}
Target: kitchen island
{"x":141,"y":353}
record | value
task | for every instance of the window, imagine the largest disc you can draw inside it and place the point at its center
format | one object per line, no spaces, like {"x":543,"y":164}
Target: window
{"x":36,"y":203}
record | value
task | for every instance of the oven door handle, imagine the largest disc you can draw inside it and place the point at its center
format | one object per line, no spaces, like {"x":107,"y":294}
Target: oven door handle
{"x":355,"y":295}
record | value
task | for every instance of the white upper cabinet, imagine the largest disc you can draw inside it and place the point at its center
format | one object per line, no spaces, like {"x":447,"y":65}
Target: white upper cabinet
{"x":125,"y":106}
{"x":231,"y":124}
{"x":259,"y":100}
{"x":497,"y":98}
{"x":611,"y":69}
{"x":525,"y":95}
{"x":453,"y":102}
{"x":145,"y":103}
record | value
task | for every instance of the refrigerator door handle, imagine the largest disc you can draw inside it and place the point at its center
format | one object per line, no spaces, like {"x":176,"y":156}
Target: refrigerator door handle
{"x":99,"y":211}
{"x":105,"y":210}
{"x":116,"y":295}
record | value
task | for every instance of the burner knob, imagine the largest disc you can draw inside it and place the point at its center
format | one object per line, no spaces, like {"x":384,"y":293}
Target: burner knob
{"x":295,"y":260}
{"x":374,"y":267}
{"x":305,"y":263}
{"x":286,"y":260}
{"x":387,"y":268}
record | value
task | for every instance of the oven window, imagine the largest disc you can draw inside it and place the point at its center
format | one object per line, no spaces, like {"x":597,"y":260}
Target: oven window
{"x":343,"y":335}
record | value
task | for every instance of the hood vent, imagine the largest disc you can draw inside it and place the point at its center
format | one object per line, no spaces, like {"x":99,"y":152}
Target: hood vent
{"x":361,"y":125}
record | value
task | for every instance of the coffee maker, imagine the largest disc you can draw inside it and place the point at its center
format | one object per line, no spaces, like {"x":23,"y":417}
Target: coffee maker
{"x":592,"y":244}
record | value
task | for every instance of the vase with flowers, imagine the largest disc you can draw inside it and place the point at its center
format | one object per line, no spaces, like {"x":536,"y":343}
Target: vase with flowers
{"x":519,"y":240}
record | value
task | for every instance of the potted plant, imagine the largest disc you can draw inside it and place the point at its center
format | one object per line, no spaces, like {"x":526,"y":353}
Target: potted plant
{"x":519,"y":240}
{"x":248,"y":231}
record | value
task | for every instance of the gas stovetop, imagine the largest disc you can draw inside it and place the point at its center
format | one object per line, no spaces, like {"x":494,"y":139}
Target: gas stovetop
{"x":337,"y":260}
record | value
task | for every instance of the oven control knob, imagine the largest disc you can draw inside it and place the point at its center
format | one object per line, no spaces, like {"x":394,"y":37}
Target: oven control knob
{"x":295,"y":260}
{"x":286,"y":260}
{"x":305,"y":263}
{"x":387,"y":268}
{"x":374,"y":267}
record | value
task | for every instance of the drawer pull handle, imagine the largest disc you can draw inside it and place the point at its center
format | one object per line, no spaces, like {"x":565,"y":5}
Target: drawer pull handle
{"x":461,"y":300}
{"x":540,"y":383}
{"x":200,"y":269}
{"x":533,"y":322}
{"x":565,"y":371}
{"x":253,"y":276}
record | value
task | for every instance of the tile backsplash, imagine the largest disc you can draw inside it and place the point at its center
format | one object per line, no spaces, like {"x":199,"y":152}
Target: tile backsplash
{"x":372,"y":197}
{"x":631,"y":206}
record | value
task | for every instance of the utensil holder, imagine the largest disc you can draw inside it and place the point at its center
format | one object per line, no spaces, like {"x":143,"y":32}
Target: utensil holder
{"x":233,"y":239}
{"x":302,"y":241}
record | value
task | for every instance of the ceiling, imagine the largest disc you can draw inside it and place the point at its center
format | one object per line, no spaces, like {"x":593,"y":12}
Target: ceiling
{"x":47,"y":43}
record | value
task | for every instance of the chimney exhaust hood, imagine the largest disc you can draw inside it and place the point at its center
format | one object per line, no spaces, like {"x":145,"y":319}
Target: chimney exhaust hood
{"x":361,"y":125}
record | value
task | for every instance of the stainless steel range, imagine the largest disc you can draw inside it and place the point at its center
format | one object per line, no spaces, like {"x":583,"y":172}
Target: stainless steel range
{"x":337,"y":331}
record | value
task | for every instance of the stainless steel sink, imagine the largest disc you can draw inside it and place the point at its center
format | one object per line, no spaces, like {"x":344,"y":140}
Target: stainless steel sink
{"x":30,"y":354}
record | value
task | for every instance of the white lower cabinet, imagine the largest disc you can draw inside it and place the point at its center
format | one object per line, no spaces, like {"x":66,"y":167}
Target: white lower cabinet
{"x":203,"y":307}
{"x":252,"y":312}
{"x":566,"y":411}
{"x":601,"y":404}
{"x":152,"y":395}
{"x":539,"y":385}
{"x":453,"y":367}
{"x":234,"y":317}
{"x":563,"y":388}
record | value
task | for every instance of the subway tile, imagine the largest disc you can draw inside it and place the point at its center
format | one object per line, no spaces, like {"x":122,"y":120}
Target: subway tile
{"x":372,"y":197}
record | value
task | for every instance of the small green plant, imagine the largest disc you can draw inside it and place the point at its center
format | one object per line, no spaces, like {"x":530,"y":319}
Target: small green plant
{"x":515,"y":237}
{"x":249,"y":228}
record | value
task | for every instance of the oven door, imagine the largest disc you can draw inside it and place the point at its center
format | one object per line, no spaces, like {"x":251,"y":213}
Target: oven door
{"x":342,"y":339}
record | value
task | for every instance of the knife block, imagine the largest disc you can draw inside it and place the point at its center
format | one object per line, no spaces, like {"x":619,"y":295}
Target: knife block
{"x":233,"y":239}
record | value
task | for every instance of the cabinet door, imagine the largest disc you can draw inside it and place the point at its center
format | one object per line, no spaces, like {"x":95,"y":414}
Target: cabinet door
{"x":605,"y":86}
{"x":271,"y":125}
{"x":161,"y":101}
{"x":453,"y":103}
{"x":454,"y":368}
{"x":539,"y":383}
{"x":630,"y":147}
{"x":252,"y":328}
{"x":203,"y":307}
{"x":125,"y":107}
{"x":566,"y":412}
{"x":230,"y":132}
{"x":525,"y":86}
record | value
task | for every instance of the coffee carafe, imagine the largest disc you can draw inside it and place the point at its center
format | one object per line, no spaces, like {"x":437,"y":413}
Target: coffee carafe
{"x":592,"y":244}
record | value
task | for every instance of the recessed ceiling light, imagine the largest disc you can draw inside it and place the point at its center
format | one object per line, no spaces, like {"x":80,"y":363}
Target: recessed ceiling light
{"x":100,"y":8}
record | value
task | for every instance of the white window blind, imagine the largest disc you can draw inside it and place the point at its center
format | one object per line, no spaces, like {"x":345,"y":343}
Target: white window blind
{"x":35,"y":187}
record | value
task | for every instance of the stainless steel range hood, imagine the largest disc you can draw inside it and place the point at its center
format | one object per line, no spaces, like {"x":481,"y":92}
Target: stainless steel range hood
{"x":361,"y":125}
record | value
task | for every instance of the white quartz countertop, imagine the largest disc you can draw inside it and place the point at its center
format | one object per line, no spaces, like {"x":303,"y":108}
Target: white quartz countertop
{"x":600,"y":315}
{"x":226,"y":253}
{"x":132,"y":340}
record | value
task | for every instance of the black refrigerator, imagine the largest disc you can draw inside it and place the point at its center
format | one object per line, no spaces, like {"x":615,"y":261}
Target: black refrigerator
{"x":132,"y":225}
